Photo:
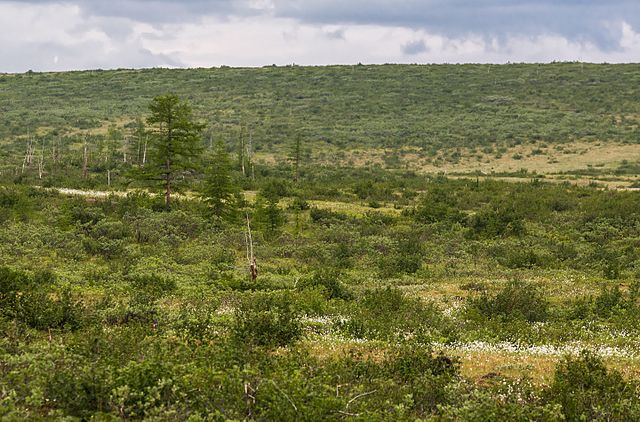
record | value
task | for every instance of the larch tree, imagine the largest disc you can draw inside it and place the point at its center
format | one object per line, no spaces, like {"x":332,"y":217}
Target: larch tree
{"x":175,"y":141}
{"x":219,"y":190}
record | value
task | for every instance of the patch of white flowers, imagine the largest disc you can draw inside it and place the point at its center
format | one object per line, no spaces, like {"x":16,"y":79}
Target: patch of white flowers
{"x":543,"y":350}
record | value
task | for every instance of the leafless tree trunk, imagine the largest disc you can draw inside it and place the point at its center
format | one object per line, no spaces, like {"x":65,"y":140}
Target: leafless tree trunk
{"x":85,"y":158}
{"x":41,"y":160}
{"x":124,"y":150}
{"x":251,"y":259}
{"x":242,"y":151}
{"x":28,"y":156}
{"x":144,"y":153}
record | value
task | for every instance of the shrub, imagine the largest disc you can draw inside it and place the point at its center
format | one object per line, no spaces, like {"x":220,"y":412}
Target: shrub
{"x":268,"y":216}
{"x":496,"y":222}
{"x":326,"y":217}
{"x":153,"y":284}
{"x":39,"y":310}
{"x":32,"y":301}
{"x":523,"y":257}
{"x":516,"y":301}
{"x":329,"y":281}
{"x":406,"y":255}
{"x":422,"y":375}
{"x":511,"y":401}
{"x":608,"y":300}
{"x":266,"y":319}
{"x":388,"y":314}
{"x":86,"y":216}
{"x":299,"y":204}
{"x":438,"y":204}
{"x":587,"y":390}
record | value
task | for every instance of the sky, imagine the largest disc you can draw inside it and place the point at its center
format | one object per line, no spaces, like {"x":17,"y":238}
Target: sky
{"x":52,"y":35}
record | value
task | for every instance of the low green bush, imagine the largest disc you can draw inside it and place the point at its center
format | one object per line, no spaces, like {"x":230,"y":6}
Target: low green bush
{"x":389,"y":314}
{"x":517,"y":300}
{"x":587,"y":390}
{"x":329,"y":281}
{"x":266,"y":319}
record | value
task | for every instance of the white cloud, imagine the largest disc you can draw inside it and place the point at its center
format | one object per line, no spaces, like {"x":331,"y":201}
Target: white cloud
{"x":60,"y":37}
{"x":51,"y":36}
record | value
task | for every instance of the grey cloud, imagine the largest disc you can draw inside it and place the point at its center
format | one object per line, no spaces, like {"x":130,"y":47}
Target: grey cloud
{"x":337,"y":34}
{"x":156,"y":11}
{"x":43,"y":56}
{"x":414,"y":47}
{"x":583,"y":20}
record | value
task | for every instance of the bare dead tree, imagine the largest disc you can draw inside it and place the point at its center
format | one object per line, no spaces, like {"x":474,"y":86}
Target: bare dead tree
{"x":125,"y":147}
{"x":241,"y":151}
{"x":54,"y":151}
{"x":41,"y":160}
{"x":251,"y":259}
{"x":28,"y":156}
{"x":85,"y":158}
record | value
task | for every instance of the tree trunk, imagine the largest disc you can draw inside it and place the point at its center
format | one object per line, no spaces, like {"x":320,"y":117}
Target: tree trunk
{"x":85,"y":159}
{"x":144,"y":153}
{"x":241,"y":152}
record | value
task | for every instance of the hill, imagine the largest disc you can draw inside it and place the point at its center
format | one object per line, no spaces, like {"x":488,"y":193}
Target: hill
{"x":389,"y":105}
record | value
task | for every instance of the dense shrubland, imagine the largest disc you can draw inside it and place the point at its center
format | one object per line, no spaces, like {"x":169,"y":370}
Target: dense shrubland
{"x":116,"y":307}
{"x":379,"y":291}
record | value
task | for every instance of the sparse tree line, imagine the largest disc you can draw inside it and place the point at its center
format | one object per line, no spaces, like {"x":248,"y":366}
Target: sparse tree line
{"x":167,"y":152}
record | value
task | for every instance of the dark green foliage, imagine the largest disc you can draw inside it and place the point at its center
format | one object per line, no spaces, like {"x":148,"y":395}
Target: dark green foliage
{"x":423,"y":376}
{"x":174,"y":142}
{"x":611,"y":303}
{"x":519,"y":255}
{"x":266,"y":320}
{"x":608,"y":300}
{"x":152,"y":283}
{"x":299,"y":204}
{"x":439,"y":204}
{"x":405,"y":257}
{"x":519,"y":401}
{"x":32,"y":300}
{"x":41,"y":309}
{"x":268,"y":216}
{"x":587,"y":390}
{"x":496,"y":222}
{"x":325,"y":216}
{"x":329,"y":281}
{"x":517,"y":300}
{"x":219,"y":191}
{"x":390,"y":314}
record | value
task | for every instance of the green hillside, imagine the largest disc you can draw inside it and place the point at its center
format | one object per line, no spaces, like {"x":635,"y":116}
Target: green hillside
{"x":391,"y":105}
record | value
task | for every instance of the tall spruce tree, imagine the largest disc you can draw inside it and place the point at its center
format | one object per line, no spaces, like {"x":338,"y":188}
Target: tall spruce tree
{"x":175,"y":142}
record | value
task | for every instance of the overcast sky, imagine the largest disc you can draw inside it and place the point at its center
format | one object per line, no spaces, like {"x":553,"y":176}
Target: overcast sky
{"x":87,"y":34}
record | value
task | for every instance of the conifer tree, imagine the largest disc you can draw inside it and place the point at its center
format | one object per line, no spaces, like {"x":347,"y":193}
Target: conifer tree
{"x":175,"y":142}
{"x":219,"y":190}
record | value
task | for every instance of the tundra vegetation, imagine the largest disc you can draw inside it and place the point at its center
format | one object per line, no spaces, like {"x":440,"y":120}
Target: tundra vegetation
{"x":321,"y":244}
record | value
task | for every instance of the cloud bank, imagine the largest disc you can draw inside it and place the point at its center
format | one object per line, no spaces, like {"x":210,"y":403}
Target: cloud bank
{"x":81,"y":34}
